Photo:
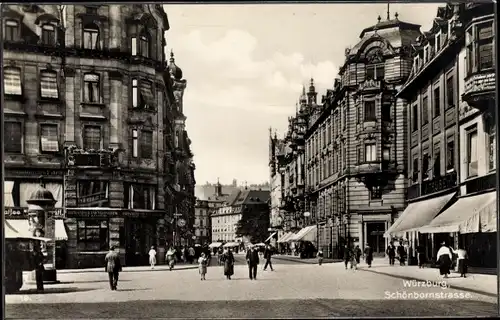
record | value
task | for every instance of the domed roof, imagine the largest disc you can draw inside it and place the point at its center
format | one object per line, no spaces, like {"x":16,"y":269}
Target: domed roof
{"x":41,"y":195}
{"x":175,"y":71}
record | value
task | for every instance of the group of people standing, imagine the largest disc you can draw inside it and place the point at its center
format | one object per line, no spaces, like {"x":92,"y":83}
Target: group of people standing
{"x":353,"y":256}
{"x":399,"y":252}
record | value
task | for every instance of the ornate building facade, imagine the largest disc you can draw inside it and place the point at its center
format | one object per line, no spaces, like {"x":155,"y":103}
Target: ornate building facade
{"x":92,"y":106}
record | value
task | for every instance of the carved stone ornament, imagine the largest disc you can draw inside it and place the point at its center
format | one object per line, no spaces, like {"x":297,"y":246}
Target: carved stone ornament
{"x":375,"y":56}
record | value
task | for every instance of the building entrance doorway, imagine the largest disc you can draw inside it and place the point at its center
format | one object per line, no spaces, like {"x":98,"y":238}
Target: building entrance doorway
{"x":139,"y":238}
{"x":375,"y":237}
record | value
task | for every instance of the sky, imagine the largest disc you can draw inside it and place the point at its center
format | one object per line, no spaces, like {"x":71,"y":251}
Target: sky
{"x":245,"y":66}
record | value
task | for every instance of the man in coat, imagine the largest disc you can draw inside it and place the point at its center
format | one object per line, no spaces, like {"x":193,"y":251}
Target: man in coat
{"x":113,"y":267}
{"x":268,"y":252}
{"x":252,"y":258}
{"x":368,"y":255}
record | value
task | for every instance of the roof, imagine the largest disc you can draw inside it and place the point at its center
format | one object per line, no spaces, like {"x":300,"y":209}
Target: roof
{"x":257,"y":196}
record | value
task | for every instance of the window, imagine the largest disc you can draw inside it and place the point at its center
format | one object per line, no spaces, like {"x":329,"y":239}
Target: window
{"x":425,"y":110}
{"x":140,"y":196}
{"x":91,"y":37}
{"x":48,"y":84}
{"x":92,"y":137}
{"x":360,"y":155}
{"x":436,"y":98}
{"x":426,"y":54}
{"x":11,"y":30}
{"x":416,"y":170}
{"x":376,"y":193}
{"x":329,"y":133}
{"x":370,"y":152}
{"x":93,"y":234}
{"x":13,"y":137}
{"x":49,"y":138}
{"x":359,"y":114}
{"x":91,"y":88}
{"x":48,"y":35}
{"x":135,"y":94}
{"x":414,"y":117}
{"x":386,"y":154}
{"x":472,"y":153}
{"x":450,"y":155}
{"x":134,"y":46}
{"x":492,"y":146}
{"x":145,"y":97}
{"x":386,"y":111}
{"x":12,"y":81}
{"x":375,"y":71}
{"x":450,"y":93}
{"x":146,"y":144}
{"x":436,"y":166}
{"x":425,"y":166}
{"x":438,"y":42}
{"x":144,"y":44}
{"x":485,"y":46}
{"x":135,"y":143}
{"x":92,"y":193}
{"x":370,"y":111}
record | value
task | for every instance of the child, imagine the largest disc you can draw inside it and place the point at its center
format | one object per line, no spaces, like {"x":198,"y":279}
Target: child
{"x":202,"y":264}
{"x":320,"y":256}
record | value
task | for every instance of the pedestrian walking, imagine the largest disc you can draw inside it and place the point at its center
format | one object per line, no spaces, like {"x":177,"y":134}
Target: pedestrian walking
{"x":152,"y":257}
{"x":420,"y":256}
{"x":461,"y":260}
{"x":444,"y":259}
{"x":368,"y":255}
{"x":391,"y":253}
{"x":252,"y":258}
{"x":170,"y":257}
{"x":347,"y":255}
{"x":191,"y":255}
{"x":320,"y":257}
{"x":356,"y":257}
{"x":202,"y":265}
{"x":228,"y":260}
{"x":268,"y":252}
{"x":113,"y":267}
{"x":401,"y":254}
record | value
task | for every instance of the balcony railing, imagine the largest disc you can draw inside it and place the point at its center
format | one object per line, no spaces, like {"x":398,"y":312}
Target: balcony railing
{"x":439,"y":183}
{"x":481,"y":183}
{"x":479,"y":85}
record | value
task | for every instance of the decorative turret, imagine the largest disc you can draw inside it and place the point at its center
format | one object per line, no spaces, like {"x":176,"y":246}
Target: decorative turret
{"x":175,"y":71}
{"x":312,"y":95}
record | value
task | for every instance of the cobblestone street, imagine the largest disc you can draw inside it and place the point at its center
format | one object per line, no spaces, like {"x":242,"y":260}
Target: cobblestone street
{"x":293,"y":290}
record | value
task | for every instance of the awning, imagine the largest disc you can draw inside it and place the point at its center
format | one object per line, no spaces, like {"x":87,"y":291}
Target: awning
{"x":270,"y":237}
{"x":285,"y":237}
{"x":418,"y":214}
{"x":465,"y":215}
{"x":305,"y":234}
{"x":215,"y":244}
{"x":19,"y":229}
{"x":231,"y":244}
{"x":60,"y":230}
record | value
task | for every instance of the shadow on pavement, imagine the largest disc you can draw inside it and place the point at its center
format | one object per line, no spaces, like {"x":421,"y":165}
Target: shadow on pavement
{"x":128,"y":290}
{"x":310,"y":308}
{"x":88,"y":281}
{"x":54,"y":290}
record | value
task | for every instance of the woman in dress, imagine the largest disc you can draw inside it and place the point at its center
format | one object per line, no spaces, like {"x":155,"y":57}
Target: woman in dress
{"x":461,"y":260}
{"x":202,"y":265}
{"x":228,"y":260}
{"x":444,"y":259}
{"x":171,"y":255}
{"x":152,"y":257}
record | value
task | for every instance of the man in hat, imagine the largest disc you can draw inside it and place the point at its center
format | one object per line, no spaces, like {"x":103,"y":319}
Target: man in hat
{"x":113,"y":267}
{"x":252,"y":258}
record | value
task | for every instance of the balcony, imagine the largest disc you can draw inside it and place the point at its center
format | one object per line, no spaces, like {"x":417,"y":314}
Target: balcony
{"x":76,"y":157}
{"x":483,"y":183}
{"x":438,"y":184}
{"x":479,"y":88}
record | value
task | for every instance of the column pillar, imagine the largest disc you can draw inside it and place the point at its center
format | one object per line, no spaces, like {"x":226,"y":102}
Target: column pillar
{"x":69,"y":129}
{"x":114,"y":109}
{"x":115,"y":37}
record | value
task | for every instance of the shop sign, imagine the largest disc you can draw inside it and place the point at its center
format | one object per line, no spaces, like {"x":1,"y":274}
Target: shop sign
{"x":33,"y":173}
{"x":91,"y":213}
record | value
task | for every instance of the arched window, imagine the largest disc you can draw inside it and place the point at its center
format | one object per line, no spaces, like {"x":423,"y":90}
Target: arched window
{"x":91,"y":36}
{"x":144,"y":44}
{"x":375,"y":66}
{"x":48,"y":34}
{"x":91,"y":88}
{"x":11,"y":30}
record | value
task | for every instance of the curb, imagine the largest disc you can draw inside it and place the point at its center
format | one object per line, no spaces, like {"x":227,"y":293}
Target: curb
{"x":304,"y":261}
{"x":453,"y":286}
{"x":125,"y":270}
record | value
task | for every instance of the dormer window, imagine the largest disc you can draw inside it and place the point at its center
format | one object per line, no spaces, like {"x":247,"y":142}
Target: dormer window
{"x":48,"y":35}
{"x":91,"y":36}
{"x":438,"y":42}
{"x":11,"y":30}
{"x":426,"y":54}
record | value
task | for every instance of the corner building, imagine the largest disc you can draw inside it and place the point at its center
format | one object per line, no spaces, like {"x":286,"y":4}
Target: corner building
{"x":356,"y":142}
{"x":90,"y":105}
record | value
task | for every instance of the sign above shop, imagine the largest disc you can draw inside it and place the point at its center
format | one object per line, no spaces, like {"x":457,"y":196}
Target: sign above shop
{"x":33,"y":173}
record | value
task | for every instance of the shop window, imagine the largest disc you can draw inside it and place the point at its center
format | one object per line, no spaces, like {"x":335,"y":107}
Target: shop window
{"x":93,"y":234}
{"x":48,"y":35}
{"x":437,"y":102}
{"x":91,"y":88}
{"x":11,"y":30}
{"x":370,"y":111}
{"x":13,"y":137}
{"x":91,"y":36}
{"x":471,"y":153}
{"x":425,"y":110}
{"x":450,"y":155}
{"x":48,"y":84}
{"x":12,"y":81}
{"x":376,"y":193}
{"x":370,"y":152}
{"x":92,"y":139}
{"x":49,"y":138}
{"x":92,"y":193}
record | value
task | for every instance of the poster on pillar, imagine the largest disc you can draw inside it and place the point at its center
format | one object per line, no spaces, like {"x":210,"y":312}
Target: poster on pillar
{"x":50,"y":226}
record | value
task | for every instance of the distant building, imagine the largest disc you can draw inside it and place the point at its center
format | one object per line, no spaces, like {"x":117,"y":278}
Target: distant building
{"x":202,"y":222}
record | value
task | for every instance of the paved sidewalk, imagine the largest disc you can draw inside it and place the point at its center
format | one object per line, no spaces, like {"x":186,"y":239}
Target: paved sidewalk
{"x":180,"y":266}
{"x":478,"y":283}
{"x":299,"y":260}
